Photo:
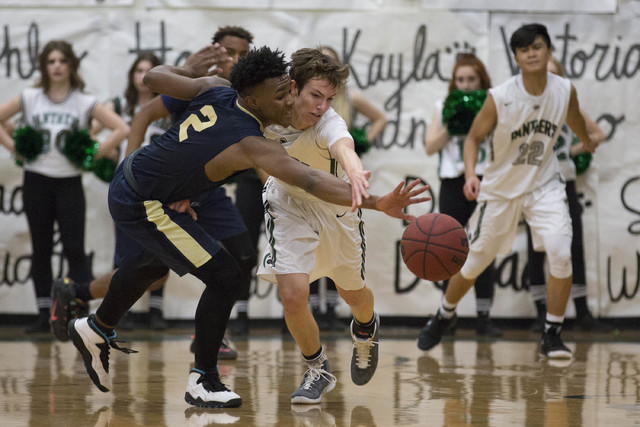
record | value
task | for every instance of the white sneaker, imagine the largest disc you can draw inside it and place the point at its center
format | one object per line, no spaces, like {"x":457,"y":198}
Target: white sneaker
{"x":206,"y":390}
{"x":94,"y":346}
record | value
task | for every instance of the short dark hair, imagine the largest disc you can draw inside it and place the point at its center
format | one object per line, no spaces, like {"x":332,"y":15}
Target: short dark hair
{"x":525,"y":35}
{"x":311,"y":63}
{"x":233,"y":31}
{"x":259,"y":65}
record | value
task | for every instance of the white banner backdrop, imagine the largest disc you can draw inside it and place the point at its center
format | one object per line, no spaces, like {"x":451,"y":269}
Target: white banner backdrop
{"x":403,"y":70}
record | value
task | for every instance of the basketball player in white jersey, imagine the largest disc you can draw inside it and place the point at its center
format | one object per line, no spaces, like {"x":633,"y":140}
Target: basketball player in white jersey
{"x":309,"y":238}
{"x":525,"y":114}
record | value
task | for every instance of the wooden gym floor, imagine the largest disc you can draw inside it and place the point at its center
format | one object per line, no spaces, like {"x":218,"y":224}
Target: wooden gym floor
{"x":465,"y":381}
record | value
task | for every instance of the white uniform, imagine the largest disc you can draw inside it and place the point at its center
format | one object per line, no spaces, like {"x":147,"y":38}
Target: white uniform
{"x":451,"y":163}
{"x":306,"y":234}
{"x":56,"y":119}
{"x":523,"y":177}
{"x":154,"y":130}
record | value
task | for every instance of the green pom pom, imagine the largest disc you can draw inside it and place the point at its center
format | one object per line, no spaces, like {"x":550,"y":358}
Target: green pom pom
{"x":80,"y":149}
{"x":460,"y":108}
{"x":104,"y":168}
{"x":582,"y":162}
{"x":360,"y":141}
{"x":29,"y":143}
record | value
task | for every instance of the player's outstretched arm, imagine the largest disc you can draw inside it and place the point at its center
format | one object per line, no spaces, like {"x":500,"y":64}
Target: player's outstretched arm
{"x":275,"y":161}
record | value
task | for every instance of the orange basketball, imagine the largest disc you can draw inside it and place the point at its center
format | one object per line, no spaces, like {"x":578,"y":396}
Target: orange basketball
{"x":434,"y":246}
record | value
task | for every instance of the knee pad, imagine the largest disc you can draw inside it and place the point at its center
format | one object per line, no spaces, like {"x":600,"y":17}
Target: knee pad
{"x":475,"y":264}
{"x":558,"y":249}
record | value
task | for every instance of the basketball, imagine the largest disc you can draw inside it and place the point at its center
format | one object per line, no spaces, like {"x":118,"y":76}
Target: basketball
{"x":434,"y":246}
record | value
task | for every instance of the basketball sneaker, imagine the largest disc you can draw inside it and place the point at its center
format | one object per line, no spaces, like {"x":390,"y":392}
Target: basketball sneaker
{"x":65,"y":306}
{"x":431,"y":334}
{"x":225,"y":352}
{"x":94,"y":345}
{"x":317,"y":381}
{"x":204,"y":389}
{"x":364,"y":358}
{"x":552,"y":346}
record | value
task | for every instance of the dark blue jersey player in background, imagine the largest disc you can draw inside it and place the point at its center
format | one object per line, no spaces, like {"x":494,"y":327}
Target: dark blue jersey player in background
{"x":220,"y":136}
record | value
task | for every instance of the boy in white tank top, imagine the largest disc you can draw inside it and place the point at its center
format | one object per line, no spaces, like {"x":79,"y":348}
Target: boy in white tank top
{"x":525,"y":114}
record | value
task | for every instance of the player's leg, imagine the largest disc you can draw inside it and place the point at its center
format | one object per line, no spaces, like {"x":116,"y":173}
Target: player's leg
{"x":492,"y":229}
{"x":364,"y":331}
{"x":548,"y":217}
{"x":537,"y":283}
{"x":220,"y":275}
{"x":453,"y":203}
{"x":317,"y":380}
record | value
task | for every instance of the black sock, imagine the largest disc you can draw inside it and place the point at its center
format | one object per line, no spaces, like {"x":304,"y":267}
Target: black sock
{"x":365,"y":330}
{"x":314,"y":355}
{"x":581,"y":306}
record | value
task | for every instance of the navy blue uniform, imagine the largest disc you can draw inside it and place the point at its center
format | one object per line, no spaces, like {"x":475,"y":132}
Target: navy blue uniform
{"x":172,"y":169}
{"x":169,"y":170}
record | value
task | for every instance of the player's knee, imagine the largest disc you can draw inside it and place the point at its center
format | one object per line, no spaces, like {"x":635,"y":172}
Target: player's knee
{"x":475,"y":264}
{"x":558,"y":249}
{"x":293,"y":299}
{"x":221,"y":272}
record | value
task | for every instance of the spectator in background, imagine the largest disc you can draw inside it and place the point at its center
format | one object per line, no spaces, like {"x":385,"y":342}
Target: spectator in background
{"x":470,"y":79}
{"x":54,"y":114}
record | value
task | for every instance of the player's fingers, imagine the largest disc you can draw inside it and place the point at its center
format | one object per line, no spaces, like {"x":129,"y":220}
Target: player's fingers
{"x":408,"y":218}
{"x":418,"y":191}
{"x":416,"y":200}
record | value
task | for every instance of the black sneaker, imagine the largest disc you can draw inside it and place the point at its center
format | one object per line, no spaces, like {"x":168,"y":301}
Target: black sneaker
{"x":589,"y":323}
{"x":364,"y":358}
{"x":486,"y":327}
{"x":317,"y":381}
{"x":94,"y":345}
{"x":207,"y":391}
{"x":63,"y":307}
{"x":552,"y":346}
{"x":432,"y":332}
{"x":156,"y":321}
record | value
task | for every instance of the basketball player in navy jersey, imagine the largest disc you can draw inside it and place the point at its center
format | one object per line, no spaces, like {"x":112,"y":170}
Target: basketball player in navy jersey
{"x":523,"y":179}
{"x":219,"y":137}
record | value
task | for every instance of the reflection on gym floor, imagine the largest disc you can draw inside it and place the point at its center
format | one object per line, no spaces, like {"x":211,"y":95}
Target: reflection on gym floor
{"x":461,"y":382}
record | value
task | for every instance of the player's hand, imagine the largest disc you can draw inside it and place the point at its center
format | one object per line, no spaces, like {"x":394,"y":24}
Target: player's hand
{"x":205,"y":59}
{"x":184,"y":206}
{"x":401,"y":197}
{"x":359,"y":185}
{"x":471,"y":188}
